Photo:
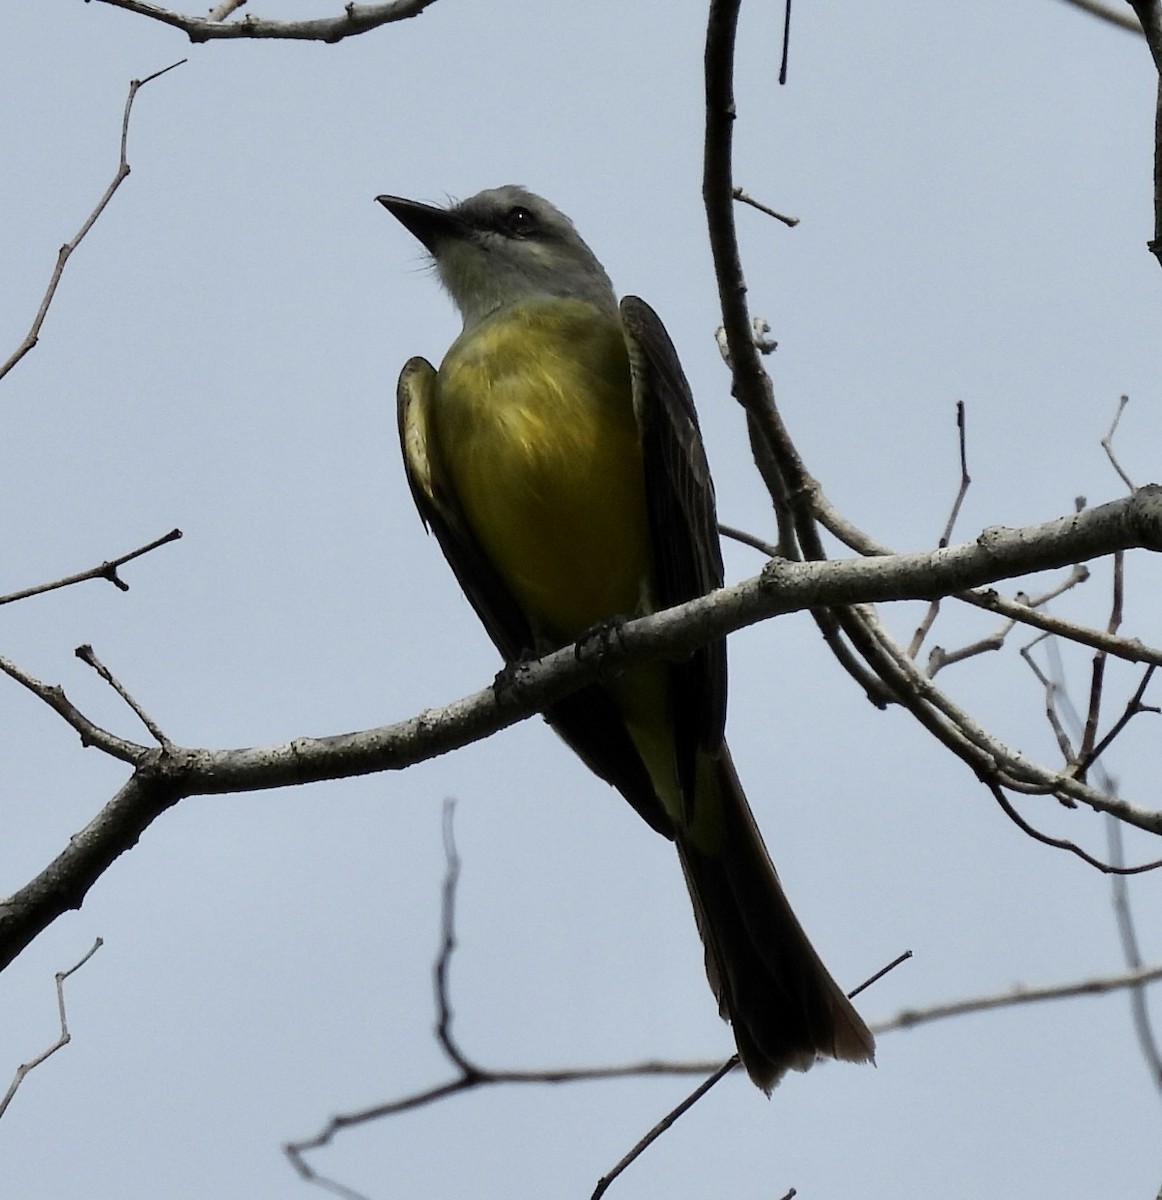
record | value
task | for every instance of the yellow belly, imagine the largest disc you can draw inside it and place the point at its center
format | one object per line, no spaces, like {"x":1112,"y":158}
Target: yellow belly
{"x":535,"y":429}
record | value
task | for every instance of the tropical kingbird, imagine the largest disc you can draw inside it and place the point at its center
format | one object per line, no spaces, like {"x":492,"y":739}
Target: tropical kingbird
{"x":557,"y":458}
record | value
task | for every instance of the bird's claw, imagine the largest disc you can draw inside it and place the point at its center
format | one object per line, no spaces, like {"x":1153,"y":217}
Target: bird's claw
{"x":604,"y":633}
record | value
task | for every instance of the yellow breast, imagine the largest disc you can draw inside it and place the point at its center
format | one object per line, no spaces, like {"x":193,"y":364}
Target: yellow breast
{"x":534,"y":428}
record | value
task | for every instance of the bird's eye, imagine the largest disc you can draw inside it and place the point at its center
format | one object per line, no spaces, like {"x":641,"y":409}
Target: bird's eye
{"x":519,"y":221}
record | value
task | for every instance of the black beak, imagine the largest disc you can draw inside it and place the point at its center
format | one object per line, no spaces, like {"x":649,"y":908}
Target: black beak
{"x":429,"y":224}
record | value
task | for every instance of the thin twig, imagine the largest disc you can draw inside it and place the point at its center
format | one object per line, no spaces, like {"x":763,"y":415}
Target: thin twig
{"x":744,"y":197}
{"x":1107,"y":442}
{"x":1096,"y":9}
{"x":897,"y":961}
{"x":1052,"y":689}
{"x":448,"y":947}
{"x":1021,"y":609}
{"x":1120,"y":894}
{"x":1129,"y":649}
{"x":1063,"y":843}
{"x":91,"y":734}
{"x":689,"y":1101}
{"x":1134,"y":706}
{"x":33,"y":335}
{"x":783,"y":78}
{"x":965,"y":482}
{"x":88,"y":656}
{"x":1098,"y":986}
{"x":106,"y":570}
{"x":665,"y":1123}
{"x":749,"y":539}
{"x":1098,"y":668}
{"x":939,"y":658}
{"x":64,"y":1037}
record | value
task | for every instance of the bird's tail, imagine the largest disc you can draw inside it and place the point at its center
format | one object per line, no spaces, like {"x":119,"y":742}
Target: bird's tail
{"x":784,"y":1007}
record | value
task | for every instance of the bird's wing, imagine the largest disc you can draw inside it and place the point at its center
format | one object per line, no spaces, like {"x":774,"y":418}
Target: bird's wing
{"x":683,"y":523}
{"x":441,"y":514}
{"x":587,"y":719}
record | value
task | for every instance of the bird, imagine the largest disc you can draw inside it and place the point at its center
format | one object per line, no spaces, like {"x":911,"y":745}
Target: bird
{"x":556,"y":455}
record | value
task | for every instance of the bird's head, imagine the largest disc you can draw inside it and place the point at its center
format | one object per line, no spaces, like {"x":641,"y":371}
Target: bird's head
{"x":503,"y":246}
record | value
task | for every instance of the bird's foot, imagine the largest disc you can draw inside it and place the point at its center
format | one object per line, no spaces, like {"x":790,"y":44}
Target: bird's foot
{"x":604,"y":634}
{"x":510,"y":678}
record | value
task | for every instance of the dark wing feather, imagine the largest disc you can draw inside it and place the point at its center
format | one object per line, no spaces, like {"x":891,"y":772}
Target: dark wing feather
{"x":587,"y":719}
{"x":440,"y":512}
{"x":683,"y":524}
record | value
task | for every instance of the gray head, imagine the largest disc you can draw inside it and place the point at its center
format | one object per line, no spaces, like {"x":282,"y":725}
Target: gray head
{"x":502,"y":246}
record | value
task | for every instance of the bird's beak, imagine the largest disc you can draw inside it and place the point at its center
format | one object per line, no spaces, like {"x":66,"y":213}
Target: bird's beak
{"x":429,"y":224}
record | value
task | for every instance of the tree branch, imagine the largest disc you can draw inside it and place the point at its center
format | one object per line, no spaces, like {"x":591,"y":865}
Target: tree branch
{"x":33,"y":335}
{"x":63,"y":1038}
{"x":1098,"y":986}
{"x":164,"y":776}
{"x":356,"y":19}
{"x":470,"y":1076}
{"x":106,"y":570}
{"x":1096,"y":9}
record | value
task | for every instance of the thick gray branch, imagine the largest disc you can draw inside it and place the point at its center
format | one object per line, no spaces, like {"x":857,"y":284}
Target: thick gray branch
{"x":164,"y":776}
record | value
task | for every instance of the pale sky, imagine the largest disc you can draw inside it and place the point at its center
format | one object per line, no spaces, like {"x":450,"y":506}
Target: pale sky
{"x":973,"y":182}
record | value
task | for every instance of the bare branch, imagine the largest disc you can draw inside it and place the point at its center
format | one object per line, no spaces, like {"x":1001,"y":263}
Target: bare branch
{"x":662,"y":1126}
{"x":1149,"y":14}
{"x":769,"y":549}
{"x":1120,"y":895}
{"x":1096,"y":9}
{"x":898,"y":961}
{"x":1063,"y":844}
{"x":91,"y":734}
{"x":791,"y":485}
{"x":33,"y":335}
{"x":962,"y":491}
{"x":106,"y":570}
{"x":783,"y":79}
{"x":471,"y":1076}
{"x":355,"y":19}
{"x":908,"y":1019}
{"x":1134,"y":706}
{"x":447,"y":949}
{"x":1098,"y":670}
{"x":1020,"y":610}
{"x":1051,"y":689}
{"x":1098,"y":986}
{"x":744,"y":197}
{"x":88,"y":656}
{"x":62,"y":1040}
{"x":989,"y":758}
{"x":162,"y":777}
{"x":1129,"y":649}
{"x":1107,"y":442}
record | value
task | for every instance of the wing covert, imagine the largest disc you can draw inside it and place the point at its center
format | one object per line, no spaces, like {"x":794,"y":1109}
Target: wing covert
{"x":683,"y":521}
{"x":587,"y":719}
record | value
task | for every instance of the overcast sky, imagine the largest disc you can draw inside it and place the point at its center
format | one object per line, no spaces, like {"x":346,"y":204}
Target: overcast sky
{"x":973,"y":181}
